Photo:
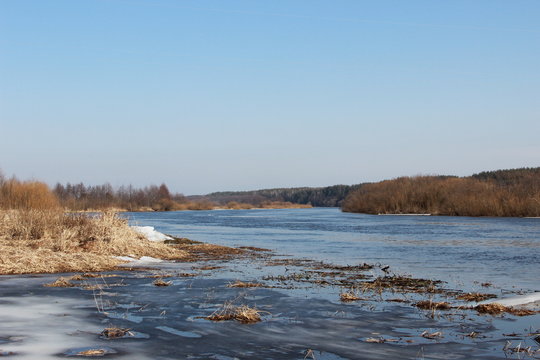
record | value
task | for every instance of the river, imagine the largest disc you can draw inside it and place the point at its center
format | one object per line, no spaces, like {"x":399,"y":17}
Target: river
{"x":463,"y":251}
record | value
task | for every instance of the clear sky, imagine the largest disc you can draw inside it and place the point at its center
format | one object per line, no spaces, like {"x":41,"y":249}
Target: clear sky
{"x":235,"y":95}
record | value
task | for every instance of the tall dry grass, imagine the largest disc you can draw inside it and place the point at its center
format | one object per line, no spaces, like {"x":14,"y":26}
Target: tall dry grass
{"x":38,"y":241}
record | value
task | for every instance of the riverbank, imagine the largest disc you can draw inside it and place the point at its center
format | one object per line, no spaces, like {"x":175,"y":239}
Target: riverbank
{"x":51,"y":241}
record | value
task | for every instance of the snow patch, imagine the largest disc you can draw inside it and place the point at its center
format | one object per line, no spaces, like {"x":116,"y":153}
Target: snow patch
{"x":144,"y":260}
{"x":126,"y":258}
{"x":151,"y":234}
{"x":517,"y":300}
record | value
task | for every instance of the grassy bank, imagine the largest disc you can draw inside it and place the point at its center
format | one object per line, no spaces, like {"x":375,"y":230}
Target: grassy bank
{"x":49,"y":241}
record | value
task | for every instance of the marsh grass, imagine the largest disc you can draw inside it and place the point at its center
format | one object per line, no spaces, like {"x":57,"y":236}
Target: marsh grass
{"x":243,"y":314}
{"x":61,"y":282}
{"x":91,"y":352}
{"x":477,"y":297}
{"x":400,"y":283}
{"x":50,"y":240}
{"x":241,"y":284}
{"x":161,"y":282}
{"x":115,"y":332}
{"x":349,"y":296}
{"x":433,"y":305}
{"x":498,"y":309}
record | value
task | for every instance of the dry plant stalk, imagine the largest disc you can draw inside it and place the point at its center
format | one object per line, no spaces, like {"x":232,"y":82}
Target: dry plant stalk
{"x":241,"y":284}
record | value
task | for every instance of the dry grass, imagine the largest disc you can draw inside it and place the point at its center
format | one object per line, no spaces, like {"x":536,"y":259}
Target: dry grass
{"x":477,"y":297}
{"x":433,"y":305}
{"x":208,"y":267}
{"x":243,"y":314}
{"x":349,"y":296}
{"x":184,"y":274}
{"x":92,"y":352}
{"x":115,"y":332}
{"x":49,"y":241}
{"x":498,"y":309}
{"x":283,"y":205}
{"x":402,"y":284}
{"x":161,"y":282}
{"x":61,"y":282}
{"x":241,"y":284}
{"x":253,"y":248}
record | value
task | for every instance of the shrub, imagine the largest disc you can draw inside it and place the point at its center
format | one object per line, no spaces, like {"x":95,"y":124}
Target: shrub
{"x":15,"y":194}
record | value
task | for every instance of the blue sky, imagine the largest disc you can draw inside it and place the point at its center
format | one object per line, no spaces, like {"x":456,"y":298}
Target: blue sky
{"x":236,"y":95}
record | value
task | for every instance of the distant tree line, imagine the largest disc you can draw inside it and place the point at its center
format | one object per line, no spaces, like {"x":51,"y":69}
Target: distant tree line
{"x":83,"y":197}
{"x":513,"y":192}
{"x":495,"y":193}
{"x":330,"y":196}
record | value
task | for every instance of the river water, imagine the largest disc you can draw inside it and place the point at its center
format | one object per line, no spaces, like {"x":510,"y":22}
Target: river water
{"x":463,"y":251}
{"x":302,"y":318}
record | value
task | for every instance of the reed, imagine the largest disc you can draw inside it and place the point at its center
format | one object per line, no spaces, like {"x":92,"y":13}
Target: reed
{"x":48,"y":241}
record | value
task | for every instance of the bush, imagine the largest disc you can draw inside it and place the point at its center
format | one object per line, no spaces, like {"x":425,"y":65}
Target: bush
{"x":440,"y":195}
{"x":26,"y":195}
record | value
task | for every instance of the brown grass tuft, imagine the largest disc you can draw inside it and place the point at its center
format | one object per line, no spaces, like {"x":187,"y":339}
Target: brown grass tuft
{"x":349,"y":296}
{"x":243,"y":314}
{"x":241,"y":284}
{"x":92,"y":352}
{"x":114,"y":332}
{"x":497,"y":309}
{"x":61,"y":282}
{"x":161,"y":282}
{"x":475,"y":297}
{"x":433,"y":305}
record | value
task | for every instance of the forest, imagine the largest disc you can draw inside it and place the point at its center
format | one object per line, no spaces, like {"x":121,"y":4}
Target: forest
{"x":18,"y":194}
{"x":514,"y":192}
{"x":329,"y":196}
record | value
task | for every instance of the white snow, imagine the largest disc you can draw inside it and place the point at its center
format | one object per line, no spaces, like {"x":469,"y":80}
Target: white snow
{"x":149,"y":259}
{"x":517,"y":300}
{"x":151,"y":233}
{"x":143,"y":261}
{"x":126,"y":258}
